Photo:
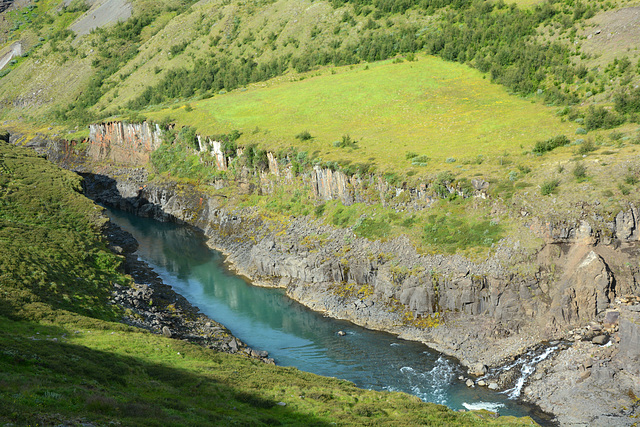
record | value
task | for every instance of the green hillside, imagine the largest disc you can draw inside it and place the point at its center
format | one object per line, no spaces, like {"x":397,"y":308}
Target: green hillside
{"x":537,"y":99}
{"x":532,"y":97}
{"x":184,"y":50}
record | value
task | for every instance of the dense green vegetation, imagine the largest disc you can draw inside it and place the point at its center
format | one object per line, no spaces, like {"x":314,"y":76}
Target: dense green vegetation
{"x":51,"y":254}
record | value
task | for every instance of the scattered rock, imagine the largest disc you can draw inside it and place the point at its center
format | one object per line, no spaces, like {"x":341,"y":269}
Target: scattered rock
{"x":492,"y":386}
{"x":600,"y":339}
{"x":342,"y":333}
{"x":584,"y":376}
{"x":166,"y":332}
{"x":478,"y":369}
{"x":481,"y":383}
{"x":469,"y":383}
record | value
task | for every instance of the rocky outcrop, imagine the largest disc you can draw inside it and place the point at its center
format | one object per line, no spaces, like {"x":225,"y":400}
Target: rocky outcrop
{"x":13,"y":51}
{"x":123,"y":143}
{"x":214,"y":148}
{"x":585,"y":290}
{"x":577,"y":279}
{"x":595,"y":381}
{"x":629,"y":354}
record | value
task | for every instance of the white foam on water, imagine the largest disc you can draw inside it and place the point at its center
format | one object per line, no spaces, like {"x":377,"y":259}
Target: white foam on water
{"x":489,"y":406}
{"x":394,"y":344}
{"x":527,"y":368}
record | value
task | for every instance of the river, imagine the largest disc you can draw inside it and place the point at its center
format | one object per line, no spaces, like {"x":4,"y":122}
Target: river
{"x":266,"y":319}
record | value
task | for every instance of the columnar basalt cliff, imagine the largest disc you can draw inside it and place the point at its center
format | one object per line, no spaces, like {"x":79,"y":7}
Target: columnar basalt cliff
{"x":481,"y":312}
{"x":123,"y":143}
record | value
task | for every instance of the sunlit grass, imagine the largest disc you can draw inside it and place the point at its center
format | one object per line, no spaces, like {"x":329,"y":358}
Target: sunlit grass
{"x":430,"y":107}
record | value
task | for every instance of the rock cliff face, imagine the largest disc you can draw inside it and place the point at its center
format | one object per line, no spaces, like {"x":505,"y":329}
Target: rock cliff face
{"x":123,"y":143}
{"x":589,"y":269}
{"x":486,"y":311}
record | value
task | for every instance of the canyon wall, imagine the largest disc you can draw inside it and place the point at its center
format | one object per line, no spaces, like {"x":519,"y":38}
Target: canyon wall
{"x":577,"y":274}
{"x":123,"y":143}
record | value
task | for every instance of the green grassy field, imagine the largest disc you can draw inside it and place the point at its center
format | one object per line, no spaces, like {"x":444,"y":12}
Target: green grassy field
{"x":428,"y":107}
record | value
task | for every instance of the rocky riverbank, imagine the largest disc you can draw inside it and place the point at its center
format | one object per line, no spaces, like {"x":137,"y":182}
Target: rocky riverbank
{"x":487,"y":314}
{"x":151,"y":304}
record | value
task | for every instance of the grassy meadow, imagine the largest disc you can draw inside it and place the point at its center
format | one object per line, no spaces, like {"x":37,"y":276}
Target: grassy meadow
{"x":428,"y":107}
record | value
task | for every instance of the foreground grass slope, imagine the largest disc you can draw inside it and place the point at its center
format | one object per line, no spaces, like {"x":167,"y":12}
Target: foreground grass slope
{"x":64,"y":359}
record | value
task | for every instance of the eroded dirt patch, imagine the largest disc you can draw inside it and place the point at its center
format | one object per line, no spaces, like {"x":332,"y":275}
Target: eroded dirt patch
{"x":613,"y":34}
{"x":102,"y":13}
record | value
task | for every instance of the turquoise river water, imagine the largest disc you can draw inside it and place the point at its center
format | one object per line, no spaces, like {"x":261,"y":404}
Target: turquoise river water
{"x":266,"y":319}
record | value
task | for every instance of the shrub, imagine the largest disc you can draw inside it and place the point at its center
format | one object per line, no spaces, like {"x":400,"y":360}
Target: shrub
{"x":549,"y":187}
{"x":319,"y":210}
{"x":628,"y":102}
{"x":256,"y":158}
{"x":550,"y":144}
{"x":177,"y":49}
{"x":580,"y":172}
{"x":304,"y":136}
{"x":420,"y":160}
{"x":187,"y":136}
{"x":631,"y":179}
{"x":524,"y":169}
{"x":443,"y":179}
{"x":601,"y":118}
{"x":586,"y":147}
{"x":345,"y":142}
{"x":616,"y":135}
{"x":581,"y":131}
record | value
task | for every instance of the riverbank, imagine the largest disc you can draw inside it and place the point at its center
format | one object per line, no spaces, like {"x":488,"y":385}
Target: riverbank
{"x":471,"y":339}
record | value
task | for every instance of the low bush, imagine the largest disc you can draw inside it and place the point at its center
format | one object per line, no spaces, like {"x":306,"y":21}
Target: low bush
{"x":420,"y":160}
{"x":345,"y":142}
{"x":580,"y":172}
{"x":549,"y":187}
{"x":550,"y":144}
{"x":601,"y":118}
{"x":586,"y":147}
{"x":304,"y":136}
